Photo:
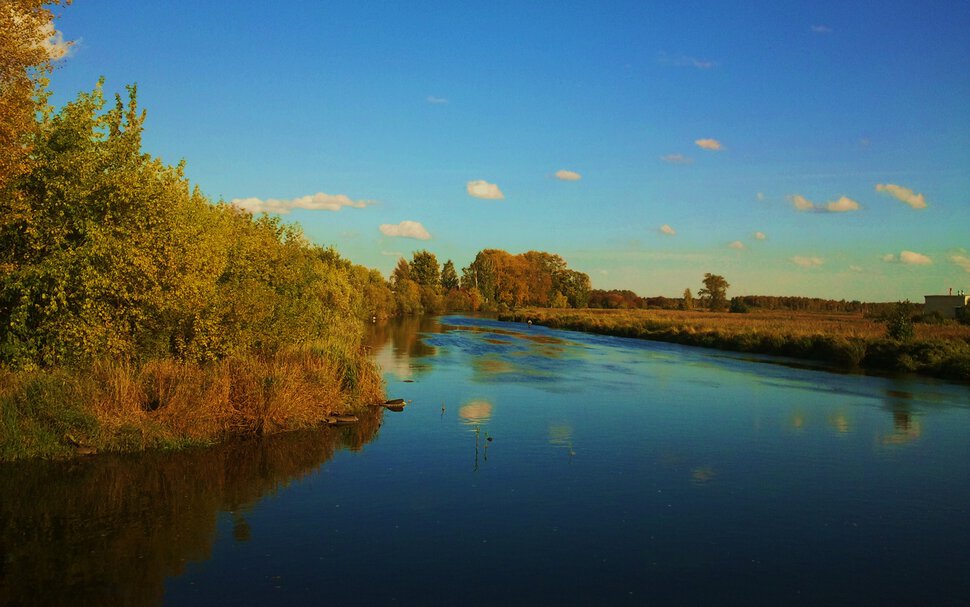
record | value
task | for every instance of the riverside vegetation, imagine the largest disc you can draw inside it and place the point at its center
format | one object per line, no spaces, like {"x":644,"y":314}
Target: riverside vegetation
{"x":846,"y":341}
{"x":134,"y":312}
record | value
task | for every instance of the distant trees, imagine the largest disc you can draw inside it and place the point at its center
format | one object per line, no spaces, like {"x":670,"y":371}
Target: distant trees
{"x":738,"y":306}
{"x":714,"y":293}
{"x":494,"y":280}
{"x":804,"y":304}
{"x":534,"y":278}
{"x":687,"y":303}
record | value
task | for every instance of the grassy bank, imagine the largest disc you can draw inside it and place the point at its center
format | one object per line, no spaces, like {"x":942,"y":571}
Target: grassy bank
{"x":167,"y":404}
{"x":843,"y":341}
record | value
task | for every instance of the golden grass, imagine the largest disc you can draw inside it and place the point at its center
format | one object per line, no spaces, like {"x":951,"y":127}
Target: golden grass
{"x":117,"y":406}
{"x":846,"y":341}
{"x":768,"y":322}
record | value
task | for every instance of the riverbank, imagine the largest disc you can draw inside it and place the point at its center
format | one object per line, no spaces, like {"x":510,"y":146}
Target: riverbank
{"x":845,"y":342}
{"x":167,"y":404}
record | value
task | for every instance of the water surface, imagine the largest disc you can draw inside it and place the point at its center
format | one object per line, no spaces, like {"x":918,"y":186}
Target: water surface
{"x":531,"y":466}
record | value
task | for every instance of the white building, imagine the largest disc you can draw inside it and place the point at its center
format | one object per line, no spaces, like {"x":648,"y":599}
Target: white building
{"x":946,"y":306}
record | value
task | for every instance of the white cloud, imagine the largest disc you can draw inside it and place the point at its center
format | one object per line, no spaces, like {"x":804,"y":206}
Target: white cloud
{"x":760,"y":236}
{"x":48,"y":38}
{"x":801,"y":203}
{"x":709,"y":144}
{"x":807,"y":262}
{"x":916,"y":201}
{"x":565,"y":175}
{"x":666,"y":229}
{"x":484,"y":189}
{"x":436,"y":100}
{"x":315,"y":202}
{"x":842,"y":205}
{"x":405,"y":229}
{"x":737,"y":244}
{"x":914,"y":259}
{"x":961,"y":260}
{"x":677,"y":159}
{"x":821,"y":29}
{"x":54,"y":43}
{"x":855,"y":268}
{"x":909,"y":258}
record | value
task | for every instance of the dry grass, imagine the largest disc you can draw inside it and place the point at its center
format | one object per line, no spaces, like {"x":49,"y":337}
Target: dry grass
{"x":846,"y":341}
{"x":767,"y":322}
{"x":116,"y":406}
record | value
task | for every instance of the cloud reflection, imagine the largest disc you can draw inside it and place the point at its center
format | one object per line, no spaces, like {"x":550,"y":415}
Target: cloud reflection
{"x":475,"y":412}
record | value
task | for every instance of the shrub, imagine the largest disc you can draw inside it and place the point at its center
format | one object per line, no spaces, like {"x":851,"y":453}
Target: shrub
{"x":899,"y":324}
{"x":738,"y":306}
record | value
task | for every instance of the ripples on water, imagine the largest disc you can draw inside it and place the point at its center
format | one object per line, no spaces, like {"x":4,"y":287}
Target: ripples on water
{"x":531,"y":467}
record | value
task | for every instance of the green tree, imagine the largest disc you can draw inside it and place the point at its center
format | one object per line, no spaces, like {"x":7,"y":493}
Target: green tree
{"x":738,"y":306}
{"x":109,"y":253}
{"x":899,"y":323}
{"x":481,"y":275}
{"x":407,"y":295}
{"x":575,"y":286}
{"x":425,"y":270}
{"x":714,"y":293}
{"x":449,"y":278}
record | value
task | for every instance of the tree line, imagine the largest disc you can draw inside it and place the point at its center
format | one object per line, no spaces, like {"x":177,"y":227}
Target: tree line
{"x":494,"y":281}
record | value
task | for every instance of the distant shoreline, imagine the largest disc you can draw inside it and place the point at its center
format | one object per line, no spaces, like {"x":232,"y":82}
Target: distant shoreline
{"x":843,"y":342}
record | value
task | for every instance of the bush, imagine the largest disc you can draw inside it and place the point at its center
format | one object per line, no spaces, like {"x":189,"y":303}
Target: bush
{"x":899,"y":324}
{"x":738,"y":306}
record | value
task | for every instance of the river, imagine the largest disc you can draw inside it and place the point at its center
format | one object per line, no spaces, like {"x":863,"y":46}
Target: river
{"x":530,"y":466}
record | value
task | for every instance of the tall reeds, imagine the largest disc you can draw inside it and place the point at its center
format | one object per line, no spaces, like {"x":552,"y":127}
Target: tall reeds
{"x":119,"y":406}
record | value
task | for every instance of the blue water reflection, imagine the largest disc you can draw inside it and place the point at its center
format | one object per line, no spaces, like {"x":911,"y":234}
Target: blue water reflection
{"x":544,"y":467}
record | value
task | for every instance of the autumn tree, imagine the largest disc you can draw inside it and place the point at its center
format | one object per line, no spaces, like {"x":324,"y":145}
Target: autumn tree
{"x":401,"y":272}
{"x":714,"y":293}
{"x":688,"y":301}
{"x":26,"y":53}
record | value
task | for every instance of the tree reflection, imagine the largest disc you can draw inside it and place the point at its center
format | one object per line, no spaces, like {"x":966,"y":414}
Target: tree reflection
{"x":109,"y":530}
{"x":906,"y":427}
{"x":397,"y":343}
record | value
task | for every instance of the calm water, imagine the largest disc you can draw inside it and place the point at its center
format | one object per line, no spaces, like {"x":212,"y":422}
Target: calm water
{"x":532,"y":466}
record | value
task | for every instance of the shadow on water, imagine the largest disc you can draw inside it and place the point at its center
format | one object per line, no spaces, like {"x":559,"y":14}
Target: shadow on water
{"x":109,"y":530}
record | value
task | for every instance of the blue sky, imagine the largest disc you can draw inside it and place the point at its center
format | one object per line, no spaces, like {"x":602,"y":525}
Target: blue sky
{"x":756,"y":135}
